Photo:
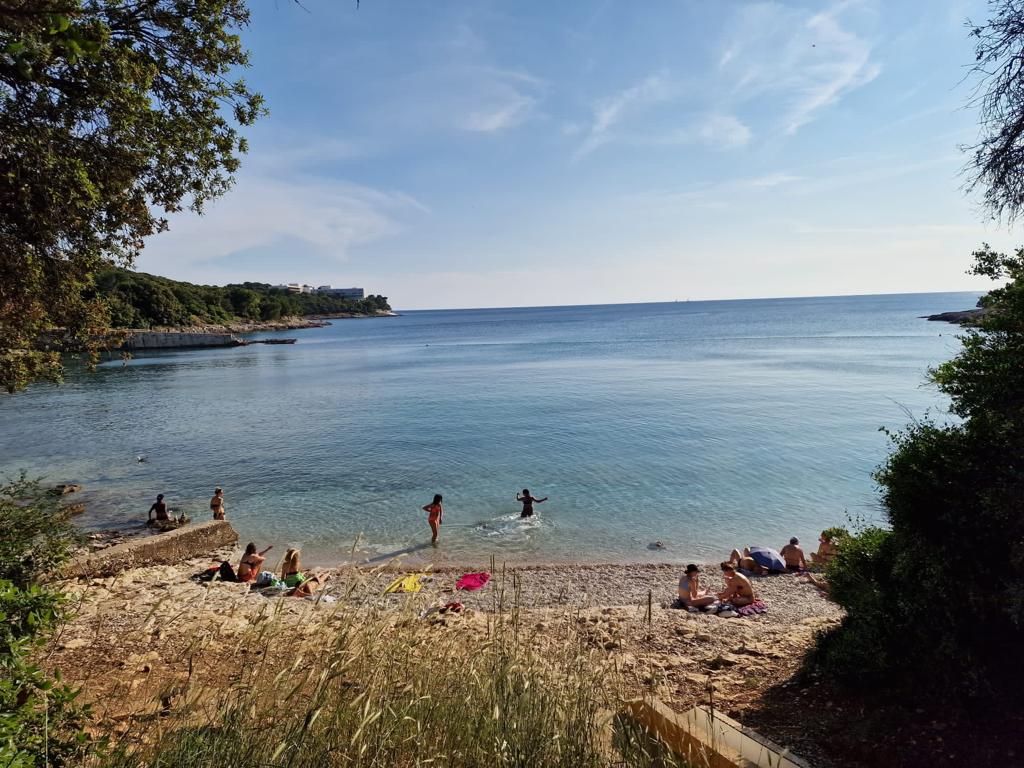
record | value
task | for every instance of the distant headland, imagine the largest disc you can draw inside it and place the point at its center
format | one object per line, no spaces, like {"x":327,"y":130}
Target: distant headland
{"x":141,"y":301}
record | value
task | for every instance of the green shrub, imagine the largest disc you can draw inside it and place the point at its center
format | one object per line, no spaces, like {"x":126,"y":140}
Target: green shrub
{"x":940,"y":597}
{"x":40,"y":721}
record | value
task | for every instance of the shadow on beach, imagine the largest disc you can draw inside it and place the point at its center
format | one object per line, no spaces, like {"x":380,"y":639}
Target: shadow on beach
{"x":386,"y":556}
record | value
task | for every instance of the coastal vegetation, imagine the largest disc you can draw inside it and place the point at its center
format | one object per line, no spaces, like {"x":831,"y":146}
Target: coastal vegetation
{"x":113,"y":114}
{"x":139,"y":300}
{"x":936,"y":599}
{"x":41,"y":722}
{"x":953,"y":554}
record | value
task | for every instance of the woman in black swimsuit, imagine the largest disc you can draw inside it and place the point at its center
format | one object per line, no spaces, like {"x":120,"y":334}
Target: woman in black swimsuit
{"x":528,"y":502}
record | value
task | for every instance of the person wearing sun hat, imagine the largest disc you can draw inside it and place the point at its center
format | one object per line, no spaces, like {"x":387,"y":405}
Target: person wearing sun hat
{"x":691,"y":594}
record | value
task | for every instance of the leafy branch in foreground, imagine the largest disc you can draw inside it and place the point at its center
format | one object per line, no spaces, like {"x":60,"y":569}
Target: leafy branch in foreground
{"x":112,"y":114}
{"x":997,"y":165}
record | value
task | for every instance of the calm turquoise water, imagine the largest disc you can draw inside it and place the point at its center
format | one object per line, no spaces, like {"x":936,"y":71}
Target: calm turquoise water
{"x":705,"y":425}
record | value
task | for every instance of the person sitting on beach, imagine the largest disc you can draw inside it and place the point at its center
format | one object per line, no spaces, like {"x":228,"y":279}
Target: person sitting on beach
{"x":827,"y":549}
{"x":738,"y":590}
{"x":435,"y":512}
{"x":160,"y":509}
{"x":217,"y":504}
{"x":794,"y":556}
{"x":291,"y":569}
{"x":249,"y":567}
{"x":528,"y":502}
{"x":690,"y":592}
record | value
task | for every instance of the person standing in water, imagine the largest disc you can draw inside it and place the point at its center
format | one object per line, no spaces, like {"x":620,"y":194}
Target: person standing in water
{"x":528,"y":502}
{"x":159,"y":508}
{"x":434,"y":512}
{"x":217,"y":504}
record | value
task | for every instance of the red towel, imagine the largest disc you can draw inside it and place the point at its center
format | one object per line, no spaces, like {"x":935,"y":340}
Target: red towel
{"x":472,"y":581}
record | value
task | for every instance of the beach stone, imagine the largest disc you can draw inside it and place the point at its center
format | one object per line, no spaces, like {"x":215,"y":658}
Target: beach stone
{"x":65,"y":488}
{"x":78,"y":642}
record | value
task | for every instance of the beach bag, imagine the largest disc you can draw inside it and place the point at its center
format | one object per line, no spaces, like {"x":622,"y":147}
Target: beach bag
{"x":265,"y":579}
{"x":226,"y":572}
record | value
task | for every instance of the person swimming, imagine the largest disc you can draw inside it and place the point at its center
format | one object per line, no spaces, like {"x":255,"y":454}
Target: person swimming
{"x":528,"y":502}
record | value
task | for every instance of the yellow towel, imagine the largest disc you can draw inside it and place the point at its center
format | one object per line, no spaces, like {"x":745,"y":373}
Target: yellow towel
{"x":409,"y":583}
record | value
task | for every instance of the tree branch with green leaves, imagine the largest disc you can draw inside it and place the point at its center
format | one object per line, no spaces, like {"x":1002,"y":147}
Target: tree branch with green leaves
{"x":112,"y":115}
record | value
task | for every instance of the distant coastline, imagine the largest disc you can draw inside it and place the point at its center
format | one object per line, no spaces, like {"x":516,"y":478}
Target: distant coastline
{"x":282,"y":324}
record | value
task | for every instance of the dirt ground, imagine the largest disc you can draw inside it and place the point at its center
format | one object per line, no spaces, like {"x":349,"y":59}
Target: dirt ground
{"x":141,"y":639}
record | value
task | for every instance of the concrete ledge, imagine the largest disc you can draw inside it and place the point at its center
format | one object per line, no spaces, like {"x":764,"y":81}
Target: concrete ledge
{"x":176,"y":340}
{"x":709,"y":739}
{"x":162,"y":548}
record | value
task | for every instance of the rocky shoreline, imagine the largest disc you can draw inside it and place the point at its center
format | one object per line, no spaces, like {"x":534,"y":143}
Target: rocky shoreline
{"x":964,"y":317}
{"x":256,"y":326}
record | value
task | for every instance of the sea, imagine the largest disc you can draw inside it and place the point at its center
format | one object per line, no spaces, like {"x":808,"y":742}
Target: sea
{"x":702,"y":425}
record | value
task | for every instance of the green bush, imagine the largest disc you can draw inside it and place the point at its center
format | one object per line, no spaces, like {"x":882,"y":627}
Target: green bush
{"x":940,"y":597}
{"x":40,"y":721}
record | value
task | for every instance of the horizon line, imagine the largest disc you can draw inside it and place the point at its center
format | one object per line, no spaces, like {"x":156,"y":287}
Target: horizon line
{"x":690,"y":301}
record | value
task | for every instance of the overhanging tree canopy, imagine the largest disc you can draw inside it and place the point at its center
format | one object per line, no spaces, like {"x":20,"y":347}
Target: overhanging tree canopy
{"x":113,"y":113}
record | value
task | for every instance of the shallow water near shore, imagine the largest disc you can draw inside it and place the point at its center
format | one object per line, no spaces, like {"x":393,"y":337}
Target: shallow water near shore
{"x":703,"y":425}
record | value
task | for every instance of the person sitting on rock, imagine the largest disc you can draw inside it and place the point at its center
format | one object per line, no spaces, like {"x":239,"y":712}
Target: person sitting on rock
{"x":794,"y":556}
{"x":738,"y":590}
{"x":249,"y":567}
{"x":691,"y":594}
{"x":160,"y":509}
{"x":827,"y":549}
{"x":291,"y":572}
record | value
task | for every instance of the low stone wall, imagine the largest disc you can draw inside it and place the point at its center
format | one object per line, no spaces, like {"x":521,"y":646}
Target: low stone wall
{"x":163,"y":548}
{"x":174,"y":340}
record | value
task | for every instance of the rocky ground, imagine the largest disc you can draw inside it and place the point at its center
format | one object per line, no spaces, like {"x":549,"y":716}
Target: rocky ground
{"x":139,"y":636}
{"x":284,"y":324}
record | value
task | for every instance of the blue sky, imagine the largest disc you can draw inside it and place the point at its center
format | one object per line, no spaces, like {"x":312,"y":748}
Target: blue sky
{"x":500,"y":154}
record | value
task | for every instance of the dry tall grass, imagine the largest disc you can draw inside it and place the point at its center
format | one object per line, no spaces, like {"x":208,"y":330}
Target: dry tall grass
{"x":380,"y":686}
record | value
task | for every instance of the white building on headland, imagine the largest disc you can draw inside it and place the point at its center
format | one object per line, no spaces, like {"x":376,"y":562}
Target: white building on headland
{"x":296,"y":288}
{"x":338,"y":293}
{"x":342,"y":293}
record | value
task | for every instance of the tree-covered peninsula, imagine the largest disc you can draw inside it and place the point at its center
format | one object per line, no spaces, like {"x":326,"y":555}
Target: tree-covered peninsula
{"x":140,"y":300}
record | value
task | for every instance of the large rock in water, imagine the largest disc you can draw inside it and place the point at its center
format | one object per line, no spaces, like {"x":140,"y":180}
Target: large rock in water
{"x":165,"y":548}
{"x":965,"y":317}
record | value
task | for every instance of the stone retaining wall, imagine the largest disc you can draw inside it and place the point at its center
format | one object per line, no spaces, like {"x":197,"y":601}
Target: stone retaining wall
{"x":163,"y":548}
{"x":174,"y":340}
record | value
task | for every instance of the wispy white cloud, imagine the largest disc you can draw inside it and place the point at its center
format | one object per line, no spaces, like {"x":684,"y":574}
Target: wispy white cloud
{"x":723,"y":132}
{"x":803,"y":62}
{"x":771,"y":180}
{"x":515,"y":109}
{"x":326,"y":217}
{"x":610,"y":110}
